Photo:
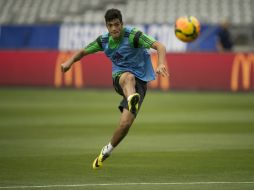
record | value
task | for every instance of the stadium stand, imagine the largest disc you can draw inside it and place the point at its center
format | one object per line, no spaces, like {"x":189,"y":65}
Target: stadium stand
{"x":135,"y":12}
{"x":239,"y":13}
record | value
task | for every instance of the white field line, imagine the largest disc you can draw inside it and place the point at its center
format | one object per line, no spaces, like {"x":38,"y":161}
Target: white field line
{"x":124,"y":184}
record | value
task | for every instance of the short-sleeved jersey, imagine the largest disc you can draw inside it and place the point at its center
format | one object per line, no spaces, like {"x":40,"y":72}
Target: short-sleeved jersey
{"x":128,"y":53}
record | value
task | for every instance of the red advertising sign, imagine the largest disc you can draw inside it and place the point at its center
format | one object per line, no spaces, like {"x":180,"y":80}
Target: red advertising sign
{"x":188,"y":71}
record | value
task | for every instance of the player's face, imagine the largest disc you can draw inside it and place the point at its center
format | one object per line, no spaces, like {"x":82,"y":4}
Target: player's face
{"x":115,"y":28}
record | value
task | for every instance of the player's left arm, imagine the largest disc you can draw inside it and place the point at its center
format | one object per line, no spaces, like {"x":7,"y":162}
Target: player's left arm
{"x":143,"y":40}
{"x":162,"y":62}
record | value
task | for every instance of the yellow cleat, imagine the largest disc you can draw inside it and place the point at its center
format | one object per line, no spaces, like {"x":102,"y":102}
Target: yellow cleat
{"x":98,"y":161}
{"x":133,"y":102}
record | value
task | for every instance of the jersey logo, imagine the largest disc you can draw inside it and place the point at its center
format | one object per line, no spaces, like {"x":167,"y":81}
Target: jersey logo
{"x":117,"y":57}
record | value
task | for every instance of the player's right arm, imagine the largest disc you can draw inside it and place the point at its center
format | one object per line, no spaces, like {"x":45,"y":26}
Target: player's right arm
{"x":93,"y":47}
{"x":76,"y":57}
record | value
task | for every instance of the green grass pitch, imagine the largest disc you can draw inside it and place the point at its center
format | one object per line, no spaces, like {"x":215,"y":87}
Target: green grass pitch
{"x":50,"y":137}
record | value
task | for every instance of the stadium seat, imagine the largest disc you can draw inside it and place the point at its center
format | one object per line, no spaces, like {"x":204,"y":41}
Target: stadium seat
{"x":135,"y":12}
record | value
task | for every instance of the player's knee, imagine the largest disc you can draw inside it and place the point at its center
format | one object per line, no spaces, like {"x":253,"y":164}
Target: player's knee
{"x":126,"y":79}
{"x":130,"y":78}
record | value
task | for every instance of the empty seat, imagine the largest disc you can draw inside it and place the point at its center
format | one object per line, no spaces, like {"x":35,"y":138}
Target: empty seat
{"x":134,"y":12}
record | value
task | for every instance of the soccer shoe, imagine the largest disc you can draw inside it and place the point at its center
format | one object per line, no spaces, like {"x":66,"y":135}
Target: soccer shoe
{"x":97,"y":163}
{"x":133,"y":102}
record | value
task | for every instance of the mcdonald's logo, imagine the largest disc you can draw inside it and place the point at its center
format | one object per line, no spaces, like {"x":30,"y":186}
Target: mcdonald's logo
{"x":160,"y":82}
{"x":73,"y":77}
{"x":244,"y":62}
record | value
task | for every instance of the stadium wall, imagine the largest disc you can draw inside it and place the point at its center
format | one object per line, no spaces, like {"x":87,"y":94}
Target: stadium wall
{"x":188,"y":71}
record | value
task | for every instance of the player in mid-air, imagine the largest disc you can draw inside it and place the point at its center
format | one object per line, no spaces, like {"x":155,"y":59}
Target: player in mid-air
{"x":131,"y":70}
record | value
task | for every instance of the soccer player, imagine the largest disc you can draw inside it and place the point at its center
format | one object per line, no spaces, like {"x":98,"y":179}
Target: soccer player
{"x":131,"y":70}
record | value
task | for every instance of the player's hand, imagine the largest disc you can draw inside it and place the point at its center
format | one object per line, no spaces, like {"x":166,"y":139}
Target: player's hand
{"x":162,"y":70}
{"x":65,"y":67}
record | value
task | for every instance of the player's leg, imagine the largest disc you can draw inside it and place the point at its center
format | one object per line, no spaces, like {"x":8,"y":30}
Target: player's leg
{"x":128,"y":88}
{"x":127,"y":82}
{"x":121,"y":131}
{"x":128,"y":115}
{"x":126,"y":120}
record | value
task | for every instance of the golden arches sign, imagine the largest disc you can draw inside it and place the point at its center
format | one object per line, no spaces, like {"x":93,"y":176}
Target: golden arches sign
{"x":245,"y":62}
{"x":67,"y":78}
{"x":160,"y":82}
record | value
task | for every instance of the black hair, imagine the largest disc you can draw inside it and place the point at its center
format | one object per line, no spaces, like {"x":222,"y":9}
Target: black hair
{"x":112,"y":14}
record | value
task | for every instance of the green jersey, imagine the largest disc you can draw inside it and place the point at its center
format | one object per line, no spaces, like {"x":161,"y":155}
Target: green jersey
{"x":142,"y":41}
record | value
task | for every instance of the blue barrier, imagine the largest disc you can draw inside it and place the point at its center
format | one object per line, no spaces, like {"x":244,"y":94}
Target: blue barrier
{"x":29,"y":37}
{"x":206,"y":41}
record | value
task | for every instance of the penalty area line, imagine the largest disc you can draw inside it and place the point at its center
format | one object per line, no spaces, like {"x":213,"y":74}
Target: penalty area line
{"x":126,"y":184}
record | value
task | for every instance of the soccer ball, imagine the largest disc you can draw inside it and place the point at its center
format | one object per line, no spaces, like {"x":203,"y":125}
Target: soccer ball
{"x":187,"y":28}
